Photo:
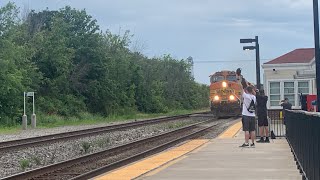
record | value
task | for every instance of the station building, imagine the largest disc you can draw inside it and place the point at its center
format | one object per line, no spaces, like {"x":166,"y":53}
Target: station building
{"x":288,"y":76}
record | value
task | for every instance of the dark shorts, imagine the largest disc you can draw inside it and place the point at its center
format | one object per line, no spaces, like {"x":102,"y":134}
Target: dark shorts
{"x":262,"y":121}
{"x":248,"y":123}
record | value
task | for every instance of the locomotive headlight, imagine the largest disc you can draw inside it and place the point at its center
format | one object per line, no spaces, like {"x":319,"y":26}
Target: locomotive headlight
{"x":231,"y":97}
{"x":216,"y":98}
{"x":224,"y":84}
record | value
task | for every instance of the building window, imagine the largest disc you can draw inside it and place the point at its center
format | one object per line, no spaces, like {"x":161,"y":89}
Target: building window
{"x":303,"y":87}
{"x":274,"y":93}
{"x":292,"y":90}
{"x":289,"y":92}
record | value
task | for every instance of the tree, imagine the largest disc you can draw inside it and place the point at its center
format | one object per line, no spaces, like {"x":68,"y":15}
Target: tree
{"x":16,"y":71}
{"x":74,"y":67}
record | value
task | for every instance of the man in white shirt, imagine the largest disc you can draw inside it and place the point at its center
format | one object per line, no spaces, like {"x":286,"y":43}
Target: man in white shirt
{"x":248,"y":115}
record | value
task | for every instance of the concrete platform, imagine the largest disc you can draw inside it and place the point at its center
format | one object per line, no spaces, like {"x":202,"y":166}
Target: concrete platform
{"x":222,"y":159}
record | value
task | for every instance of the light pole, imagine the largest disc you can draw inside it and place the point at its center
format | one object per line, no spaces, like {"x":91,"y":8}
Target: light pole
{"x":316,"y":49}
{"x":256,"y":47}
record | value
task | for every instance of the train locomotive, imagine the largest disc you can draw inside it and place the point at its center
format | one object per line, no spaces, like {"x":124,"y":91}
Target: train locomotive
{"x":225,"y":94}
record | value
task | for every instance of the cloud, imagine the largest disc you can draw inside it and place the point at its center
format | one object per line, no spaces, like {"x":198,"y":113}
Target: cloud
{"x":242,"y":22}
{"x":293,"y":4}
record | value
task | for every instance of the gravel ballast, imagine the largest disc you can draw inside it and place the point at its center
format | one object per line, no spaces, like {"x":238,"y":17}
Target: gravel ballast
{"x":34,"y":157}
{"x":48,"y":131}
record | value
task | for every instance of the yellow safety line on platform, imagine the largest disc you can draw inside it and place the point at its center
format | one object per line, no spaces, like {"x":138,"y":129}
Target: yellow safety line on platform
{"x":164,"y":159}
{"x":231,"y":131}
{"x":137,"y":169}
{"x":157,"y":170}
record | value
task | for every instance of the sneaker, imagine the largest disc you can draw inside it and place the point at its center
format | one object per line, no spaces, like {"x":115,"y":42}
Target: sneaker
{"x":261,"y":140}
{"x":252,"y":145}
{"x":244,"y":145}
{"x":267,"y":140}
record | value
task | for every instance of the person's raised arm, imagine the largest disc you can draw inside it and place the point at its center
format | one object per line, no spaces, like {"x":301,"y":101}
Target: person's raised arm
{"x":244,"y":83}
{"x":281,"y":103}
{"x":253,"y":92}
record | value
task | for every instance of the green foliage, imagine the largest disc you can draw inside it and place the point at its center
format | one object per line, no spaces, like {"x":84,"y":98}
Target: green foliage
{"x":8,"y":18}
{"x":177,"y":125}
{"x":49,"y":121}
{"x":24,"y":164}
{"x":85,"y":147}
{"x":74,"y":67}
{"x":16,"y":71}
{"x":65,"y":105}
{"x":36,"y":160}
{"x":103,"y":142}
{"x":53,"y":156}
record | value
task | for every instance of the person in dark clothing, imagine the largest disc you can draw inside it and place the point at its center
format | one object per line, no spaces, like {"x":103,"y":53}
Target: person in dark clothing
{"x":285,"y":105}
{"x":262,"y":117}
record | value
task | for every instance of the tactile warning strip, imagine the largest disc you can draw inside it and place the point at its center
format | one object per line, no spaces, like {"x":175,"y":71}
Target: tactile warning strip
{"x":144,"y":166}
{"x":136,"y":169}
{"x":231,"y":131}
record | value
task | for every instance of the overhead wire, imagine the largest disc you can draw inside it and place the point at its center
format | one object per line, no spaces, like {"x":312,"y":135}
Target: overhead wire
{"x":230,"y":61}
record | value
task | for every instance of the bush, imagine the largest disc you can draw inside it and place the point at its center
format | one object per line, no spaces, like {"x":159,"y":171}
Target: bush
{"x":68,"y":105}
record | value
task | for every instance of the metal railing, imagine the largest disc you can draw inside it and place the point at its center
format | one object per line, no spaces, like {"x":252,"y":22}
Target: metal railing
{"x":275,"y":121}
{"x":303,"y":135}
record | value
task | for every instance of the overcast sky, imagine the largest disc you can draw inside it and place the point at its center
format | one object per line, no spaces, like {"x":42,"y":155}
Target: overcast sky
{"x":207,"y":30}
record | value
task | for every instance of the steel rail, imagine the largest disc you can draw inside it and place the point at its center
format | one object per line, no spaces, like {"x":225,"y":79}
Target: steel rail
{"x":67,"y":165}
{"x":139,"y":156}
{"x":27,"y":142}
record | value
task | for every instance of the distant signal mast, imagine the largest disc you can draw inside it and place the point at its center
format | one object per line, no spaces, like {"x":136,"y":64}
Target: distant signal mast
{"x":190,"y":61}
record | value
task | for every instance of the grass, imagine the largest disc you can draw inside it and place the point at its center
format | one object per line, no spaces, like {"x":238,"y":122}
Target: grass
{"x":9,"y":130}
{"x":177,"y":125}
{"x":24,"y":163}
{"x":85,"y":147}
{"x":46,"y":121}
{"x":102,"y":142}
{"x":36,"y":160}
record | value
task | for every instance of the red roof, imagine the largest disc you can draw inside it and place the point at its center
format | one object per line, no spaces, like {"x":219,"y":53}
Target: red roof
{"x":303,"y":55}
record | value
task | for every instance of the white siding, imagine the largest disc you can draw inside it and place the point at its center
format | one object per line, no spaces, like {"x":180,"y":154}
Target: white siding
{"x":287,"y":73}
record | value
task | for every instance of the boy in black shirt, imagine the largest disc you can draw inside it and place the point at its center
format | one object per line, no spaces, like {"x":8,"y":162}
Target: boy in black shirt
{"x":262,"y":117}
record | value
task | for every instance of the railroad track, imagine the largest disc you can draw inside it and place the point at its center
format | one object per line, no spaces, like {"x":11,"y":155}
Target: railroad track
{"x":94,"y":164}
{"x":28,"y":142}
